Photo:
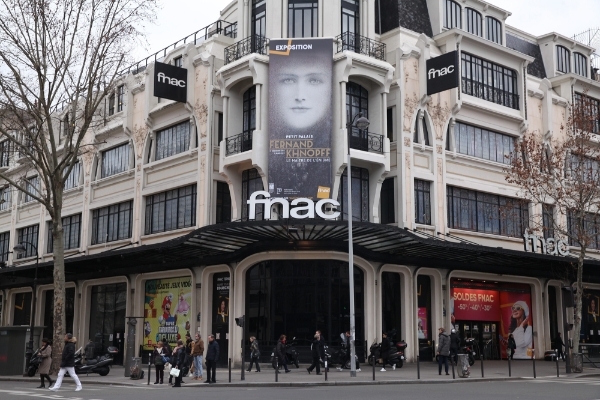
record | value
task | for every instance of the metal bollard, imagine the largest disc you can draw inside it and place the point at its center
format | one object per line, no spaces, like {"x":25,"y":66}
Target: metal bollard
{"x":277,"y":370}
{"x":557,"y":371}
{"x":482,"y":374}
{"x":452,"y":362}
{"x":230,"y":370}
{"x":533,"y":359}
{"x":374,"y":367}
{"x":325,"y":368}
{"x":418,"y":369}
{"x":150,"y":368}
{"x":509,"y":371}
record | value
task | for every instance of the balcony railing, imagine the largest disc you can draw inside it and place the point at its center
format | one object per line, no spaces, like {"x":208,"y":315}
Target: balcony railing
{"x":238,"y":143}
{"x":490,"y":93}
{"x":361,"y":45}
{"x":366,"y":141}
{"x":252,"y":44}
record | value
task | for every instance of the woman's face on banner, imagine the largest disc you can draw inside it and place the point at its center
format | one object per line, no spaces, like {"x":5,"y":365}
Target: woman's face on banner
{"x":517,"y":312}
{"x":303,"y":94}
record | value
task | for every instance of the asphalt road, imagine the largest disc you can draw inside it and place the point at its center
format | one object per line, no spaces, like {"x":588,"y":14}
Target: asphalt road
{"x":569,"y":389}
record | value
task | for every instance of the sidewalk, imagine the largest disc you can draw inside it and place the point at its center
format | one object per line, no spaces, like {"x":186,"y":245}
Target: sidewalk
{"x":493,"y":370}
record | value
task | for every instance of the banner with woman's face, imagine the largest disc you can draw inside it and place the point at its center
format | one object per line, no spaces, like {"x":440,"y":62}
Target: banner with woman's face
{"x":300,"y":117}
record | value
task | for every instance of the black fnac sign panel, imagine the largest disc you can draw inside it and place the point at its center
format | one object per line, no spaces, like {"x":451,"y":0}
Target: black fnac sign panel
{"x":170,"y":82}
{"x":442,"y":73}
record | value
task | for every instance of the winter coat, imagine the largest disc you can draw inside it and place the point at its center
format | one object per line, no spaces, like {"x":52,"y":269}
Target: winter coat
{"x":559,"y":343}
{"x":198,"y":349}
{"x":167,"y":349}
{"x":178,"y":358}
{"x":254,"y":350}
{"x":157,"y":356}
{"x":212,"y":354}
{"x":454,"y":342}
{"x":280,"y":350}
{"x":68,"y":355}
{"x":316,"y":348}
{"x":46,"y":354}
{"x":385,"y":346}
{"x":444,"y":344}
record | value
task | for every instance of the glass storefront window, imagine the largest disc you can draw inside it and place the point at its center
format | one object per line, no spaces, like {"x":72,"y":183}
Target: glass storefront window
{"x":391,"y":302}
{"x":107,"y":318}
{"x":49,"y":312}
{"x":22,"y":311}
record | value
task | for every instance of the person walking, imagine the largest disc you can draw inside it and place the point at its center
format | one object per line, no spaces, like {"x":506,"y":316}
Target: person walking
{"x":347,"y":342}
{"x":443,"y":350}
{"x":512,"y":346}
{"x":454,"y":346}
{"x":315,"y":349}
{"x":197,"y":352}
{"x":559,"y":347}
{"x":159,"y":362}
{"x":254,"y":354}
{"x":280,"y":352}
{"x":67,"y":364}
{"x":46,"y":356}
{"x":385,"y":352}
{"x":178,"y":361}
{"x":212,"y":356}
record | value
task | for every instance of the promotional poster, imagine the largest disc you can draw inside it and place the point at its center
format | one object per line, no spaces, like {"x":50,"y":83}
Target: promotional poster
{"x":221,"y":313}
{"x":475,"y":304}
{"x":300,"y":117}
{"x":516,"y":319}
{"x":422,"y":323}
{"x":590,"y":326}
{"x":167,"y":310}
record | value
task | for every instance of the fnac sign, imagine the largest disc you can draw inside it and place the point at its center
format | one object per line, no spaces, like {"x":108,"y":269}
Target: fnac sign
{"x":170,"y":82}
{"x":442,"y":73}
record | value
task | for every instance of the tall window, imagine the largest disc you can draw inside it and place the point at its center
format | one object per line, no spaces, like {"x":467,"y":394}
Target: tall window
{"x":223,"y":203}
{"x":591,"y":225}
{"x":489,"y":81}
{"x":71,"y":232}
{"x":5,"y":153}
{"x":357,"y":101}
{"x":388,"y":203}
{"x":72,"y":180}
{"x":174,"y":209}
{"x":115,"y":160}
{"x":5,"y":194}
{"x":494,"y":30}
{"x":4,"y":246}
{"x":120,"y":97}
{"x":421,"y":122}
{"x":482,"y":143}
{"x":112,"y":223}
{"x":474,"y":24}
{"x":360,"y":194}
{"x":249,"y":110}
{"x":32,"y":185}
{"x":111,"y":104}
{"x":548,"y":220}
{"x":487,"y":213}
{"x":581,"y":64}
{"x":422,"y":202}
{"x":219,"y":127}
{"x":302,"y":18}
{"x":173,"y":140}
{"x":28,"y":236}
{"x":178,"y":62}
{"x":251,"y":182}
{"x":563,"y":59}
{"x":452,"y":14}
{"x":588,"y":109}
{"x":350,"y":16}
{"x":259,"y":17}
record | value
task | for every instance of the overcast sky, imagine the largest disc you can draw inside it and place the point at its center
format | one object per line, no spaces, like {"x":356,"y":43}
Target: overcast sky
{"x":178,"y":18}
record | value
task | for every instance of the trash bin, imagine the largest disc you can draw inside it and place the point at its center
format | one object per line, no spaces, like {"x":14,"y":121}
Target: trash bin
{"x":577,"y":362}
{"x":464,"y":369}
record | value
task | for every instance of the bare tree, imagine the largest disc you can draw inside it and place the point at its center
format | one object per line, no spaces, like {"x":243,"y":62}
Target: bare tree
{"x":59,"y":60}
{"x":560,"y":175}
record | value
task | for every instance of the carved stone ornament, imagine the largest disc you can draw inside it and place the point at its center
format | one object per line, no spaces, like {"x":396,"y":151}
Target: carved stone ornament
{"x":201,"y":111}
{"x":407,"y":141}
{"x":139,"y":136}
{"x":407,"y":158}
{"x":440,"y":166}
{"x":410,"y":105}
{"x":88,"y":160}
{"x":203,"y":164}
{"x":438,"y":148}
{"x":203,"y":146}
{"x":439,"y":115}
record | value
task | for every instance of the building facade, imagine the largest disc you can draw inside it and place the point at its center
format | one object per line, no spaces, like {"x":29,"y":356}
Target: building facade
{"x":157,"y":224}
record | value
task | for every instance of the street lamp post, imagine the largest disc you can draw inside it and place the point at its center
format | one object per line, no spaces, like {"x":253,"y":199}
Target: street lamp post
{"x":360,"y":123}
{"x":21,"y":249}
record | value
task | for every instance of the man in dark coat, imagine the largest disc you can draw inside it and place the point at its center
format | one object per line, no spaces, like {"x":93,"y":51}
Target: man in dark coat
{"x":212,"y":356}
{"x":443,"y":350}
{"x":67,"y":364}
{"x":280,"y":352}
{"x":315,"y":349}
{"x":178,"y":361}
{"x":385,"y":351}
{"x":454,"y":345}
{"x":559,"y":347}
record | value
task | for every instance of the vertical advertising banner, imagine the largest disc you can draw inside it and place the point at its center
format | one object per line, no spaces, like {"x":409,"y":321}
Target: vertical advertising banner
{"x":221,"y":313}
{"x":300,"y":118}
{"x":515,"y":311}
{"x":590,"y":327}
{"x":167,"y":310}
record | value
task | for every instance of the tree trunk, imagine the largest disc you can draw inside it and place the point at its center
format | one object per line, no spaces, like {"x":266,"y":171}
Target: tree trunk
{"x":578,"y":301}
{"x":59,"y":286}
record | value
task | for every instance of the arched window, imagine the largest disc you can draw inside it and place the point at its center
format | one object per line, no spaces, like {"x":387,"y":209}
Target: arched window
{"x":357,"y":101}
{"x":360,"y":194}
{"x":580,"y":62}
{"x":474,"y":22}
{"x":494,"y":30}
{"x":563,"y":59}
{"x":251,"y":182}
{"x":420,"y":121}
{"x":452,"y":15}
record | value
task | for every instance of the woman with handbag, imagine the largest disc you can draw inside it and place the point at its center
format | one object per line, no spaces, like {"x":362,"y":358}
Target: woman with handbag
{"x":178,"y":362}
{"x":159,"y":362}
{"x":46,"y":355}
{"x":254,"y":354}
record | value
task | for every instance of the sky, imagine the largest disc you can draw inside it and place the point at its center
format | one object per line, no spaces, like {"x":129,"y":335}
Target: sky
{"x":178,"y":18}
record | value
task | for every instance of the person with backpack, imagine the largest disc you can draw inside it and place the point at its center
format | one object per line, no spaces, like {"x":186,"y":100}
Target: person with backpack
{"x":254,"y":354}
{"x":67,"y":364}
{"x":158,"y":355}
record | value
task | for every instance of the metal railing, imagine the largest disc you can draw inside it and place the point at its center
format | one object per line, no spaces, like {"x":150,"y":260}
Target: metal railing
{"x":238,"y":143}
{"x":490,"y":93}
{"x":249,"y":45}
{"x":366,"y":141}
{"x":219,"y":27}
{"x":361,"y":45}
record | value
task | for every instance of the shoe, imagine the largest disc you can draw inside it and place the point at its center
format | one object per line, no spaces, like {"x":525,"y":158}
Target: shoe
{"x":394,"y":367}
{"x":161,"y":382}
{"x":308,"y":370}
{"x":289,"y":370}
{"x":78,"y":389}
{"x":339,"y":369}
{"x":182,"y":382}
{"x":176,"y":386}
{"x":248,"y":370}
{"x":440,"y":373}
{"x":53,"y":389}
{"x":382,"y":370}
{"x":318,"y":373}
{"x":207,"y":382}
{"x":358,"y":370}
{"x":41,"y":387}
{"x":213,"y":382}
{"x":51,"y":383}
{"x":447,"y":373}
{"x":258,"y":370}
{"x":156,"y":383}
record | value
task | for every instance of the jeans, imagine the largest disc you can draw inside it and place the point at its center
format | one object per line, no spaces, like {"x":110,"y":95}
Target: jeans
{"x":211,"y":366}
{"x":61,"y":374}
{"x":443,"y":360}
{"x":198,"y":366}
{"x":252,"y":361}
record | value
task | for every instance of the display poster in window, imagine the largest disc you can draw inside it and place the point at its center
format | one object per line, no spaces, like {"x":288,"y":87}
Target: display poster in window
{"x":516,"y":319}
{"x":590,"y":324}
{"x":220,"y":307}
{"x":300,"y":118}
{"x":167,"y":310}
{"x":422,"y":332}
{"x":474,"y":305}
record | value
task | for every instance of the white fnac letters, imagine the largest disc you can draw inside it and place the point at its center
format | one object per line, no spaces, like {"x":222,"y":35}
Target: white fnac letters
{"x":304,"y":205}
{"x":170,"y":81}
{"x":436,"y":73}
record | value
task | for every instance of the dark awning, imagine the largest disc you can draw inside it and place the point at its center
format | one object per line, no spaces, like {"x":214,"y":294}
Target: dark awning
{"x":231,"y":242}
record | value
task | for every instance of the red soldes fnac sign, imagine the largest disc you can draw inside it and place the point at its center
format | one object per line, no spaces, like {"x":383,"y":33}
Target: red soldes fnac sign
{"x":476,"y":304}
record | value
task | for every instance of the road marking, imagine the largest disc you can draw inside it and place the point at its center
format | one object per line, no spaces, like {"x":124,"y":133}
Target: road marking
{"x":40,"y":395}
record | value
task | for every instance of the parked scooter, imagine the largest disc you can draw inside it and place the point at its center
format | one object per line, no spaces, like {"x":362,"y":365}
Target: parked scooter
{"x":469,"y":348}
{"x":291,"y":354}
{"x":394,"y":356}
{"x":99,"y":365}
{"x":34,"y":363}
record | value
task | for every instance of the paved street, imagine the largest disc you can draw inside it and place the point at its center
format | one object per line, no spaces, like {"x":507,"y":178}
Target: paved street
{"x":543,"y":389}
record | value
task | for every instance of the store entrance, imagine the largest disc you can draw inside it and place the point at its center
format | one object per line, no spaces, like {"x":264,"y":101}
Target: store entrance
{"x":485,"y":334}
{"x":107,"y":319}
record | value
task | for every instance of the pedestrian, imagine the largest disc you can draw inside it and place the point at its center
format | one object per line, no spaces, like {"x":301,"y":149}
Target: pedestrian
{"x":280,"y":350}
{"x":315,"y":349}
{"x":322,"y":343}
{"x":559,"y":347}
{"x":512,"y":345}
{"x":46,"y":356}
{"x":159,"y":362}
{"x":254,"y":354}
{"x":197,"y":352}
{"x":178,"y":361}
{"x":385,"y":352}
{"x":454,"y":345}
{"x":212,"y":356}
{"x":443,"y":350}
{"x":347,"y":343}
{"x":67,"y":364}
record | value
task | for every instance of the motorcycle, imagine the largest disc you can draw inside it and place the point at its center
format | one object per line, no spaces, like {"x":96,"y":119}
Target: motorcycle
{"x":99,"y":365}
{"x":469,"y":348}
{"x":34,"y":363}
{"x":291,"y":355}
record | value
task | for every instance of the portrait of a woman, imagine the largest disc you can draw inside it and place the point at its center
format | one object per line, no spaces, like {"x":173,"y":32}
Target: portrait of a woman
{"x":222,"y":313}
{"x":521,"y":330}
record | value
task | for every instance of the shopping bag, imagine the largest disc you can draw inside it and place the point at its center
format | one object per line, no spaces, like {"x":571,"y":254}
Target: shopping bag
{"x":174,"y":372}
{"x":168,"y":368}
